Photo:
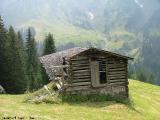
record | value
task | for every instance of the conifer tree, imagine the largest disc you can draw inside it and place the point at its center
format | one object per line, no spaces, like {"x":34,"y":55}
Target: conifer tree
{"x":33,"y":65}
{"x":3,"y":51}
{"x":49,"y":45}
{"x":16,"y":82}
{"x":23,"y":56}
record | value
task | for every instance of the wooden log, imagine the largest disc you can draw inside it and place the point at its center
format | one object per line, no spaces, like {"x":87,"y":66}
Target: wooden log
{"x":81,"y":71}
{"x":77,"y":88}
{"x":117,"y":77}
{"x":81,"y":80}
{"x":81,"y":77}
{"x":81,"y":84}
{"x":80,"y":62}
{"x":117,"y":80}
{"x":116,"y":62}
{"x":79,"y":58}
{"x":80,"y":68}
{"x":118,"y":83}
{"x":117,"y":72}
{"x":116,"y":65}
{"x":80,"y":65}
{"x":82,"y":74}
{"x":117,"y":69}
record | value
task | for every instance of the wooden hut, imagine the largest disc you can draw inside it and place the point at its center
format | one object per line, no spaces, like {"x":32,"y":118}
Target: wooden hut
{"x":88,"y":71}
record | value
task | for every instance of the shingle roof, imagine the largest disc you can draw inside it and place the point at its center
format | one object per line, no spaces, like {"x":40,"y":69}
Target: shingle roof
{"x":56,"y":59}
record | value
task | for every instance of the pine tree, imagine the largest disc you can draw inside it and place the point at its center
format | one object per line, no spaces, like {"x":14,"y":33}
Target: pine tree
{"x":33,"y":66}
{"x":49,"y":45}
{"x":22,"y":58}
{"x":3,"y":56}
{"x":16,"y":82}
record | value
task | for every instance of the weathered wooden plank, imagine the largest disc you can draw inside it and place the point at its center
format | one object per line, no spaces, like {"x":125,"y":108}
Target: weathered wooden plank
{"x":80,"y":68}
{"x":76,"y":60}
{"x":117,"y":77}
{"x":118,"y":83}
{"x":71,"y":88}
{"x":79,"y":58}
{"x":117,"y":80}
{"x":117,"y":72}
{"x":81,"y":83}
{"x":81,"y":71}
{"x":80,"y":62}
{"x":115,"y":58}
{"x":81,"y":80}
{"x":80,"y":65}
{"x":116,"y":63}
{"x":82,"y":77}
{"x":81,"y":74}
{"x":117,"y":69}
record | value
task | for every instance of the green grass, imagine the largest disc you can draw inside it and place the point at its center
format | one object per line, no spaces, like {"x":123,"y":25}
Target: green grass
{"x":145,"y":106}
{"x":63,"y":32}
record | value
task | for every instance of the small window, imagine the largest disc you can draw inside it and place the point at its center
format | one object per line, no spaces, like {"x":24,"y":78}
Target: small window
{"x":102,"y":72}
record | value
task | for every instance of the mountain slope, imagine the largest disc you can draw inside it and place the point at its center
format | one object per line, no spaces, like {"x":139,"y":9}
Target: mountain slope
{"x":129,"y":27}
{"x":145,"y":98}
{"x":72,"y":18}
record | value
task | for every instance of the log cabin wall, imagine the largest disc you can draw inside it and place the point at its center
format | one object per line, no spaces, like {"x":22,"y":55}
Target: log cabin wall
{"x":80,"y":76}
{"x":117,"y":69}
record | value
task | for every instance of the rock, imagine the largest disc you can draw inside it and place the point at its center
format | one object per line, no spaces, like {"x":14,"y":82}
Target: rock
{"x":2,"y":90}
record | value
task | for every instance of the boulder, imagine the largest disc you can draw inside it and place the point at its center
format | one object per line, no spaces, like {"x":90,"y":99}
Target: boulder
{"x":2,"y":90}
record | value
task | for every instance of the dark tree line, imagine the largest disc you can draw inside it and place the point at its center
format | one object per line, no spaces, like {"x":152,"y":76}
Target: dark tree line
{"x":20,"y":69}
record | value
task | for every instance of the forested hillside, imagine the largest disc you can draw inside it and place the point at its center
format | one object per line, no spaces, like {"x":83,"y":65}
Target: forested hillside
{"x":129,"y":27}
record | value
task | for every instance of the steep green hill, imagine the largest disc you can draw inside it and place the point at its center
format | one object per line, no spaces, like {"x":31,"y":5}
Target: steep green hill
{"x":145,"y":106}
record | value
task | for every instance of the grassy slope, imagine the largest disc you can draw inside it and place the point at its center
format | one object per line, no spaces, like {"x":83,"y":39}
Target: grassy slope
{"x":146,"y":104}
{"x":63,"y":32}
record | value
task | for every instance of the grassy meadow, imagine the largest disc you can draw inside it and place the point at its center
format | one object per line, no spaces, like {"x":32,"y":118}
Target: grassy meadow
{"x":145,"y":105}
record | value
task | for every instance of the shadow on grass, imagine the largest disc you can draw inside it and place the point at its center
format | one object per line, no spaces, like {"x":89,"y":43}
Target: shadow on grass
{"x":92,"y":100}
{"x":98,"y":101}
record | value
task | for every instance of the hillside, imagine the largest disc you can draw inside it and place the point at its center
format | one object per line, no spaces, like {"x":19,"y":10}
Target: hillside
{"x":145,"y":106}
{"x":129,"y":27}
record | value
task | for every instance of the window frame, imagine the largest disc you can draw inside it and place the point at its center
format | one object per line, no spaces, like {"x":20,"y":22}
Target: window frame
{"x":98,"y":83}
{"x":102,"y":69}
